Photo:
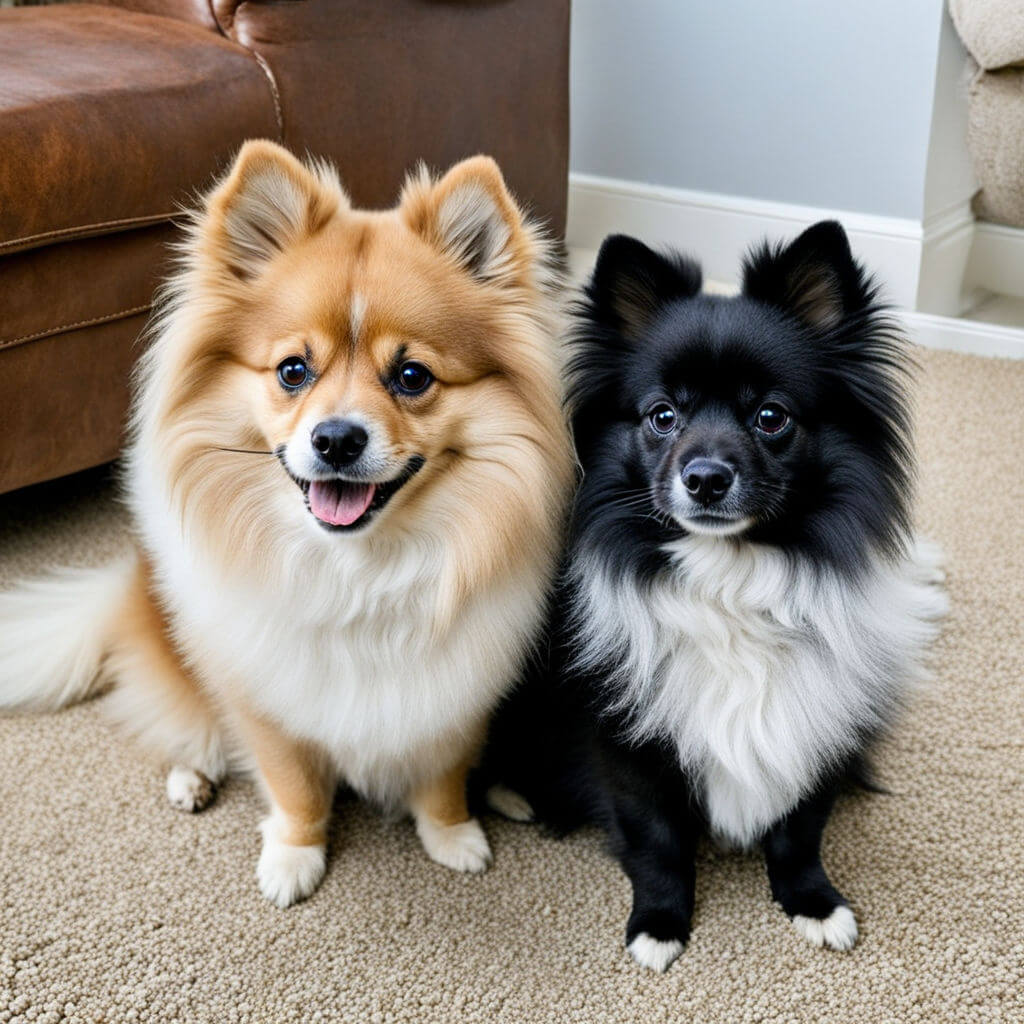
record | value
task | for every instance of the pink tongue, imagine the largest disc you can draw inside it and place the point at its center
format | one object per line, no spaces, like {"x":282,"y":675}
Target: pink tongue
{"x":339,"y":503}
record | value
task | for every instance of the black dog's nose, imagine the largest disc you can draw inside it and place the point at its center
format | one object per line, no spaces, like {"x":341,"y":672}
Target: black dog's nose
{"x":707,"y":480}
{"x":339,"y":442}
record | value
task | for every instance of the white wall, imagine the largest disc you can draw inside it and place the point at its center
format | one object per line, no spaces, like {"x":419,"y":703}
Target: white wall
{"x":949,"y":178}
{"x":824,"y":103}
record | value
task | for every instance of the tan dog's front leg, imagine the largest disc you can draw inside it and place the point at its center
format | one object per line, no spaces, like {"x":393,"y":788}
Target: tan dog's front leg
{"x":449,"y":835}
{"x":299,"y":782}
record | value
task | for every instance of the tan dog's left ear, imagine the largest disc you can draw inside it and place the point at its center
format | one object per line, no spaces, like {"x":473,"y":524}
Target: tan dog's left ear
{"x":470,"y":215}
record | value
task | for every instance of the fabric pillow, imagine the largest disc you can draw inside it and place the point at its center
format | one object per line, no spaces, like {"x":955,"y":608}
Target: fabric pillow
{"x":992,"y":30}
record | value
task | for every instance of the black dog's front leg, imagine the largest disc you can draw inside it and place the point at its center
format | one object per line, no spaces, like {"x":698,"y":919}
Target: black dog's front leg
{"x":654,"y":835}
{"x":792,"y":850}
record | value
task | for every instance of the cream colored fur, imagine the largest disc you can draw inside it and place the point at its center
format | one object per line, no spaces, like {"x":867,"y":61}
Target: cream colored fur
{"x":253,"y":636}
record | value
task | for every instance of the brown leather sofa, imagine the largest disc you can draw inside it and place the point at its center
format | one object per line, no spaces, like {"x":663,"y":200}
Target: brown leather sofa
{"x":113,"y":114}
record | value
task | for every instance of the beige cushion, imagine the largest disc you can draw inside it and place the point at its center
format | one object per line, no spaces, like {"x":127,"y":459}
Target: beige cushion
{"x":992,"y":30}
{"x":995,"y":137}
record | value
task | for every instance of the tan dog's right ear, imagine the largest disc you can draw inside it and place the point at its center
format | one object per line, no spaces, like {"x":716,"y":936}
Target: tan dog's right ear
{"x":470,"y":216}
{"x":266,"y":202}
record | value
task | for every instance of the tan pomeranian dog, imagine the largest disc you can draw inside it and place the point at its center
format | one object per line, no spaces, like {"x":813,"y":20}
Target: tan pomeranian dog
{"x":348,"y":473}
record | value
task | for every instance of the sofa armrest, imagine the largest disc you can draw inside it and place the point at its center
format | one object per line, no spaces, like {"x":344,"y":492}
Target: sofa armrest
{"x":196,"y":11}
{"x":214,"y":14}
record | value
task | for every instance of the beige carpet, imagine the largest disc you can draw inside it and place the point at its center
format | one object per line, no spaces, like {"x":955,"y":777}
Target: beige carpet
{"x":113,"y":907}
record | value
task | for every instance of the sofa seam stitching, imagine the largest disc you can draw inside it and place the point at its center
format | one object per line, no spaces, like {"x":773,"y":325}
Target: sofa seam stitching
{"x":11,"y":342}
{"x":216,"y":19}
{"x":275,"y":95}
{"x":154,"y":218}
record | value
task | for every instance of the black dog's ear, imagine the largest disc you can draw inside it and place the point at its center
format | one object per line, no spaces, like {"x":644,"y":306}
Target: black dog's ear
{"x":815,"y":277}
{"x":631,"y":282}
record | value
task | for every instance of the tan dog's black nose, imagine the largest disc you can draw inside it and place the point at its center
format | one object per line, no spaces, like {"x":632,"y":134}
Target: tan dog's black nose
{"x":339,"y":442}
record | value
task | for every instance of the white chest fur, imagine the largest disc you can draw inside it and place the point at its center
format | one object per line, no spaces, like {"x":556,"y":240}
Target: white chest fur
{"x":762,"y":671}
{"x":348,"y":644}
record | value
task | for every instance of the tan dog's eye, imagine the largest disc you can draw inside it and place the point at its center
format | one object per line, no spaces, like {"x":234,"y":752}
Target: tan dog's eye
{"x":413,"y":378}
{"x":292,"y":373}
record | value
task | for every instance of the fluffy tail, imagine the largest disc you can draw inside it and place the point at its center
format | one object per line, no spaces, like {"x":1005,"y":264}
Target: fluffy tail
{"x":54,"y":633}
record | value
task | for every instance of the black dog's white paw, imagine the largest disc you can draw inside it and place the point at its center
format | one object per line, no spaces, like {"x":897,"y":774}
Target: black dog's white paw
{"x":657,"y":954}
{"x":837,"y":931}
{"x":509,"y":803}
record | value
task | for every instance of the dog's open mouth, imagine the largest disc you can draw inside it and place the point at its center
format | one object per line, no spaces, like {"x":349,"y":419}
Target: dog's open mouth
{"x":339,"y":504}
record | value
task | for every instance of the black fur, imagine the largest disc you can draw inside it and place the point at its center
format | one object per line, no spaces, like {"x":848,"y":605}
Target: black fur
{"x":553,"y":744}
{"x":808,"y":334}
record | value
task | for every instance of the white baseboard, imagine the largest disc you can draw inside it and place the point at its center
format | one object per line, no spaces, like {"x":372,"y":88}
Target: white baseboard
{"x":997,"y":259}
{"x":947,"y":239}
{"x":956,"y":334}
{"x":921,"y":265}
{"x":718,"y":229}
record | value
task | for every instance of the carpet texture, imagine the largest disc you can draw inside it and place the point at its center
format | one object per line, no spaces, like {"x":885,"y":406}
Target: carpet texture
{"x":113,"y":907}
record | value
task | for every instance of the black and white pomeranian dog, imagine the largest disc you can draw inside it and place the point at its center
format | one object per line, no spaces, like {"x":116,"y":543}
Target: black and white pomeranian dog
{"x":744,"y":606}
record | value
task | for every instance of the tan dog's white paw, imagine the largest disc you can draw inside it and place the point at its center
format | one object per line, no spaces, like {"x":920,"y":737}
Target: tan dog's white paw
{"x":288,"y":873}
{"x":189,"y":790}
{"x":461,"y":847}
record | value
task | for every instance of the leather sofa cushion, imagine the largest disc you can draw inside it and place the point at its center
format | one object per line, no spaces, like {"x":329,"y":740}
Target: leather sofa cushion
{"x":109,"y":118}
{"x":82,"y":282}
{"x":65,"y":398}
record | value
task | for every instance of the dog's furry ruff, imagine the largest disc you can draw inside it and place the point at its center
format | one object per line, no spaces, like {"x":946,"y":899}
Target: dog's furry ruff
{"x":763,"y":672}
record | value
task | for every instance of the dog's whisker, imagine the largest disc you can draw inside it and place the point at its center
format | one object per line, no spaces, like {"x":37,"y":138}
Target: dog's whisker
{"x":640,"y":499}
{"x":629,"y":504}
{"x":242,"y":451}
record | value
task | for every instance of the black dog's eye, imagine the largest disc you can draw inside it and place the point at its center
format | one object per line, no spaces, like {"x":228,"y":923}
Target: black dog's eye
{"x":413,"y":378}
{"x":663,"y":418}
{"x":771,"y":418}
{"x":293,"y":373}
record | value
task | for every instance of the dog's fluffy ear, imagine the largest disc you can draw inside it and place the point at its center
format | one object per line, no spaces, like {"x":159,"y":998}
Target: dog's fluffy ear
{"x":267,"y":201}
{"x":631,"y":283}
{"x":470,"y":216}
{"x":815,"y":277}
